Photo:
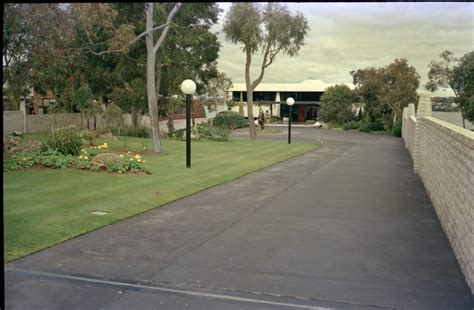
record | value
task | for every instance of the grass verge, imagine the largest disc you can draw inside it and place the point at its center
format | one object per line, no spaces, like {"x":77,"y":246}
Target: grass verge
{"x":43,"y":207}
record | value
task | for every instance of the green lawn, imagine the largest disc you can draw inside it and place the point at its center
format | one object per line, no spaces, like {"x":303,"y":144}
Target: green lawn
{"x":44,"y":207}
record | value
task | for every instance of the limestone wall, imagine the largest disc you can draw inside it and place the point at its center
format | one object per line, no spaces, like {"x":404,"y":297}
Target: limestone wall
{"x":409,"y":128}
{"x":18,"y":121}
{"x":13,"y":121}
{"x":443,"y":156}
{"x":44,"y":122}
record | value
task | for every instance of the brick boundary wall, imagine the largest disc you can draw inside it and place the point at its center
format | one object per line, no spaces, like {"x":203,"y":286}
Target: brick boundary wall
{"x":18,"y":121}
{"x":44,"y":122}
{"x":409,"y":128}
{"x":13,"y":121}
{"x":443,"y":156}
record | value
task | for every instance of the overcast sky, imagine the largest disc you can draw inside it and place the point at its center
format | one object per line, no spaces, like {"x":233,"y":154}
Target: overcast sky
{"x":349,"y":36}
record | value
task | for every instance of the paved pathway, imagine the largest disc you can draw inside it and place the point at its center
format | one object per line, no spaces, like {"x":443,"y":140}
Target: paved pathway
{"x":348,"y":226}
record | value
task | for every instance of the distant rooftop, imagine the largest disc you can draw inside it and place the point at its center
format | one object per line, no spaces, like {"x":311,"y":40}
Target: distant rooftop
{"x":304,"y":86}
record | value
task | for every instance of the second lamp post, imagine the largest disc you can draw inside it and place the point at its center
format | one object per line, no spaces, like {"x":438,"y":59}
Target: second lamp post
{"x":290,"y":102}
{"x":188,"y":87}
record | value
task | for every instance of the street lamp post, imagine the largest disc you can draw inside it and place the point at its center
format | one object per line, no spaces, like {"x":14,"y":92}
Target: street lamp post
{"x":188,"y":87}
{"x":290,"y":102}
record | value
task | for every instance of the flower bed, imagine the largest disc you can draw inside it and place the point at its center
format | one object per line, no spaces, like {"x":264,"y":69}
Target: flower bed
{"x":123,"y":163}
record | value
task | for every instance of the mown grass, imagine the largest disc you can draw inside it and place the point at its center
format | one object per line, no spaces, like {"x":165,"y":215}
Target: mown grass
{"x":43,"y":207}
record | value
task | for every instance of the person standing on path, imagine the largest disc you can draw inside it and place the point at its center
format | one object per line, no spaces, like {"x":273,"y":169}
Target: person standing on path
{"x":261,"y":119}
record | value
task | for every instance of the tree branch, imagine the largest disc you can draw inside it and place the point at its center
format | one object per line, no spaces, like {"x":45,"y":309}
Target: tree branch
{"x":262,"y":70}
{"x":168,"y":22}
{"x":272,"y":57}
{"x":121,"y":50}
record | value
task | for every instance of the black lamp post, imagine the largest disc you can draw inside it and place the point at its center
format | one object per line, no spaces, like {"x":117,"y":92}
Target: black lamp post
{"x":188,"y":87}
{"x":290,"y":102}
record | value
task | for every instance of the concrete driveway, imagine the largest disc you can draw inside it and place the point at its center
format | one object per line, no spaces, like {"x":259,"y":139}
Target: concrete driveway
{"x":348,"y":226}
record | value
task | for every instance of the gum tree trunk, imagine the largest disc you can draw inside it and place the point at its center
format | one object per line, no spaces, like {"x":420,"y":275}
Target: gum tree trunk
{"x":150,"y":81}
{"x":248,"y":84}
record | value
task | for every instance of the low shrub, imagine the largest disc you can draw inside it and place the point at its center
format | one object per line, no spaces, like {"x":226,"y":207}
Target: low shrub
{"x":372,"y":126}
{"x":397,"y":128}
{"x":133,"y":164}
{"x":56,"y":160}
{"x":272,"y":119}
{"x":117,"y":163}
{"x":50,"y":158}
{"x":132,"y":131}
{"x":66,"y":140}
{"x":90,"y":136}
{"x":230,"y":119}
{"x":19,"y":161}
{"x":178,"y":134}
{"x":208,"y":132}
{"x":351,"y":125}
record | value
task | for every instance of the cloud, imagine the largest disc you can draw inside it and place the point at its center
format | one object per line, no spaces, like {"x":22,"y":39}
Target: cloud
{"x":348,"y":36}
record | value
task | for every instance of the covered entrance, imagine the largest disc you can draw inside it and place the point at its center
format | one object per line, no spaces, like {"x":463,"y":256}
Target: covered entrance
{"x":301,"y":112}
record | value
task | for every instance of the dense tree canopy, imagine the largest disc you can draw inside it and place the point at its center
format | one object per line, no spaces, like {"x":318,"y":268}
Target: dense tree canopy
{"x":386,"y":91}
{"x":35,"y":42}
{"x":101,"y":47}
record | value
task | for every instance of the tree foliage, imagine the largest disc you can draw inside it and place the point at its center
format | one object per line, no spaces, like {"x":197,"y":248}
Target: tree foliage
{"x":400,"y":82}
{"x":270,"y":29}
{"x":386,"y":91}
{"x":69,"y":47}
{"x":441,"y":74}
{"x":463,"y":85}
{"x":217,"y":91}
{"x":35,"y":41}
{"x":336,"y":104}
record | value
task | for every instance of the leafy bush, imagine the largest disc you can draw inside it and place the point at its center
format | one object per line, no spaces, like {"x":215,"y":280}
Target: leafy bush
{"x":67,"y":140}
{"x":272,"y":119}
{"x":397,"y":128}
{"x":19,"y":161}
{"x":336,"y":104}
{"x":178,"y":134}
{"x":116,"y":163}
{"x":90,"y":136}
{"x":230,"y":119}
{"x":372,"y":126}
{"x":132,"y":131}
{"x":56,"y":160}
{"x":350,"y":126}
{"x":209,"y":132}
{"x":125,"y":166}
{"x":50,"y":158}
{"x":112,"y":116}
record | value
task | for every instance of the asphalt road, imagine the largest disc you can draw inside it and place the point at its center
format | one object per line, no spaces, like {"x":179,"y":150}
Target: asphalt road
{"x":348,"y":226}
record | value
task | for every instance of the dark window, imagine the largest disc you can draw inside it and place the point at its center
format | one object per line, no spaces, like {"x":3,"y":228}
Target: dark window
{"x":301,"y":96}
{"x":270,"y":96}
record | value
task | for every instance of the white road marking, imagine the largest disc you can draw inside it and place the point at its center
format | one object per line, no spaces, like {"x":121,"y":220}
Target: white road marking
{"x":163,"y":289}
